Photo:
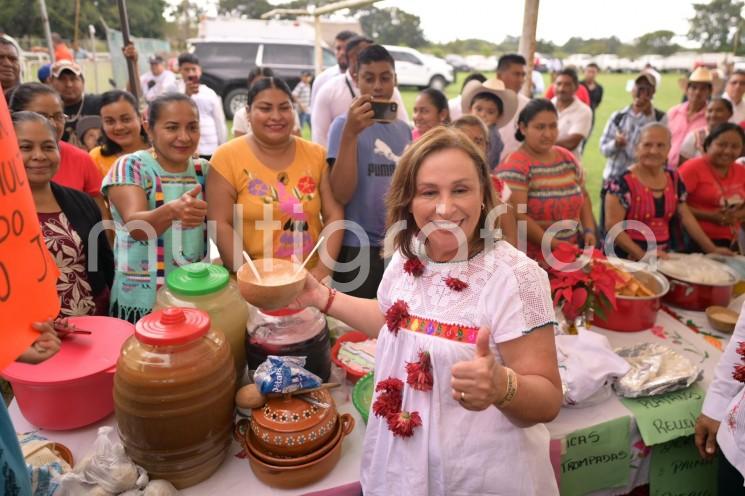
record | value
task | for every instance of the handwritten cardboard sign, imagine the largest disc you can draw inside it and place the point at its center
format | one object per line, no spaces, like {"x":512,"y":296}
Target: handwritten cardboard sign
{"x":28,"y":274}
{"x":667,"y":416}
{"x":677,"y":469}
{"x":596,"y":458}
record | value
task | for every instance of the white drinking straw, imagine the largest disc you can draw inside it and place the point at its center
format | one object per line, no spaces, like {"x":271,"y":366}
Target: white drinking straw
{"x":315,"y":248}
{"x":251,"y":266}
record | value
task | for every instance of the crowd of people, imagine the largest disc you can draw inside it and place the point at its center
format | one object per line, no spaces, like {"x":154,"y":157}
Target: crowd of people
{"x":468,"y":291}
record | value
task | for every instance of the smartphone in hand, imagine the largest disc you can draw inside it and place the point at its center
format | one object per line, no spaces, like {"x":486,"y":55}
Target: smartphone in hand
{"x":384,"y":110}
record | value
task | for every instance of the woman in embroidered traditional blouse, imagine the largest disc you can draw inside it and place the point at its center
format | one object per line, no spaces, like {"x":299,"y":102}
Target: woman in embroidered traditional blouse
{"x":716,"y":184}
{"x":722,"y":419}
{"x":465,"y":366}
{"x":156,"y":199}
{"x":651,"y":196}
{"x":67,"y":217}
{"x":548,"y":179}
{"x":280,"y":181}
{"x":718,"y":111}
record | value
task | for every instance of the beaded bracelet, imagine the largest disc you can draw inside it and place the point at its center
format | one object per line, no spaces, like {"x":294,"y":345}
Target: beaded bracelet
{"x":509,"y":395}
{"x":332,"y":294}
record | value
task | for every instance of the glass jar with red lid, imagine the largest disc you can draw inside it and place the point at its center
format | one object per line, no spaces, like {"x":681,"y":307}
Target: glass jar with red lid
{"x":173,"y":396}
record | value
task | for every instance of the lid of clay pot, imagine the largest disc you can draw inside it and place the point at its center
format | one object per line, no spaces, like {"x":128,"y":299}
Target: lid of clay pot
{"x":197,"y":279}
{"x":172,"y":326}
{"x":292,"y":414}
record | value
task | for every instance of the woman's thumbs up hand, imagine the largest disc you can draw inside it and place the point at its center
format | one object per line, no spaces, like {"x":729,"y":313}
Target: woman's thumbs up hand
{"x":480,"y":382}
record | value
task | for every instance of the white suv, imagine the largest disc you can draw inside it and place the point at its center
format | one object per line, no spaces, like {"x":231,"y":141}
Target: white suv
{"x":414,"y":68}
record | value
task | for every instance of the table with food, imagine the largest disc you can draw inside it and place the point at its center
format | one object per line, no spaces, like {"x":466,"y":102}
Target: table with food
{"x":223,"y":389}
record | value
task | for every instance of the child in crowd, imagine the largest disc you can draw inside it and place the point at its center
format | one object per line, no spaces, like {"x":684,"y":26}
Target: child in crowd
{"x":301,"y":94}
{"x":495,"y":105}
{"x":88,"y":130}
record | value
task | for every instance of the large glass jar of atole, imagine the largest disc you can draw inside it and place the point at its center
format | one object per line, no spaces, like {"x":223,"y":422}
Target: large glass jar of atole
{"x":208,"y":288}
{"x":173,"y":396}
{"x":289,"y":332}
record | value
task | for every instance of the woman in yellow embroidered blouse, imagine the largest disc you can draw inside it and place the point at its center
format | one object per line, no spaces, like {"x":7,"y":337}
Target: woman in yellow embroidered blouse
{"x":280,"y":182}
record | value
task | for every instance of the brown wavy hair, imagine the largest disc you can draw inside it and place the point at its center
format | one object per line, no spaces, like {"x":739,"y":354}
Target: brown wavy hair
{"x":403,"y":185}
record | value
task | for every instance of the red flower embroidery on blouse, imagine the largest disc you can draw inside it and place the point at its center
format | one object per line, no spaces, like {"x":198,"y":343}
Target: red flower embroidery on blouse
{"x":402,"y":424}
{"x":396,"y":314}
{"x":414,"y":266}
{"x":419,"y":373}
{"x":739,"y":373}
{"x":455,"y":284}
{"x":390,"y":384}
{"x":306,"y":185}
{"x":389,"y":401}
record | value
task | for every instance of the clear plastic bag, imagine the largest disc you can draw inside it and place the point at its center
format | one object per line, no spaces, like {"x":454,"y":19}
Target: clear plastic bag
{"x":107,"y":470}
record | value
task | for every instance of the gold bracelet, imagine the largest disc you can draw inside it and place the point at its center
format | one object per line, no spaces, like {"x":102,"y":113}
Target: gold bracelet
{"x":509,"y":395}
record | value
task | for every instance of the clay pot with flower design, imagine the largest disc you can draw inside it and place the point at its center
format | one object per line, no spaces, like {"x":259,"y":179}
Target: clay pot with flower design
{"x":291,"y":426}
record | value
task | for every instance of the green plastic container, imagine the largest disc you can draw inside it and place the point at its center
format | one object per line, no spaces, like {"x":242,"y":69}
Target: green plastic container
{"x":362,"y":395}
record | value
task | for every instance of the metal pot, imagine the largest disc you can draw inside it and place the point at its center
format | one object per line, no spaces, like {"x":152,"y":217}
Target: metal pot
{"x":697,"y":296}
{"x":689,"y":294}
{"x":636,"y":313}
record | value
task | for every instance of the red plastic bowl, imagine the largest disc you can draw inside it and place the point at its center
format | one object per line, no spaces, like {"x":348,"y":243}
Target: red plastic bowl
{"x":354,"y":337}
{"x":75,"y":387}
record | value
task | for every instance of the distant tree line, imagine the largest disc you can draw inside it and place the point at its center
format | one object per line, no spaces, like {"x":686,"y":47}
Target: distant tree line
{"x":717,"y":25}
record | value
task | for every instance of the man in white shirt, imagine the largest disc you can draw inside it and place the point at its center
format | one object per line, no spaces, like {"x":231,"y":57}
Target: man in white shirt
{"x":734,"y":92}
{"x":212,"y":126}
{"x":158,"y":80}
{"x":575,"y":118}
{"x":337,"y":94}
{"x":340,"y":45}
{"x":511,"y":70}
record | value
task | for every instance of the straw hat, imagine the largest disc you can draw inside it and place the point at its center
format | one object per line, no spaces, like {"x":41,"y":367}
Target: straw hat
{"x":496,"y":88}
{"x":701,"y":75}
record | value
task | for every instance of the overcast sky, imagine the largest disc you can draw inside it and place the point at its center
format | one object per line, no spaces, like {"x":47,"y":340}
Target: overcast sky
{"x":558,"y":20}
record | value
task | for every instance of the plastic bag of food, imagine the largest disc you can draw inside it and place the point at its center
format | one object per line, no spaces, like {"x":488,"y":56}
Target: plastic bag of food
{"x":655,"y":369}
{"x":284,"y":374}
{"x":108,"y":470}
{"x":158,"y":487}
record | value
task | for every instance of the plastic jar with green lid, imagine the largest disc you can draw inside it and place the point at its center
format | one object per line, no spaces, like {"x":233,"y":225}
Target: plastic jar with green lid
{"x":209,"y":288}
